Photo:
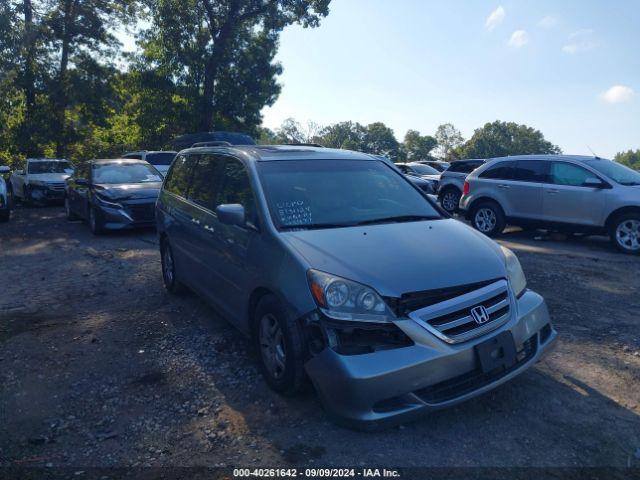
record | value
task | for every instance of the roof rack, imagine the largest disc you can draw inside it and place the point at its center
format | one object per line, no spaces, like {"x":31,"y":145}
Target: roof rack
{"x":218,"y":143}
{"x":305,"y":145}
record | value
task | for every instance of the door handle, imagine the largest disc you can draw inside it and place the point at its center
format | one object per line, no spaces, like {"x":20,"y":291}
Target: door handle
{"x":553,"y":191}
{"x":209,"y":229}
{"x":502,"y":185}
{"x":196,"y":221}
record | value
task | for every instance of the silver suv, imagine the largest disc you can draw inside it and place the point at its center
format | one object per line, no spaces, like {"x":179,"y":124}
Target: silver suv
{"x":565,"y":192}
{"x":452,"y":181}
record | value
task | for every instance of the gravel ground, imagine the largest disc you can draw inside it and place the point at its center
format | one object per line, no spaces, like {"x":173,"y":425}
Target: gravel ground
{"x":100,"y":367}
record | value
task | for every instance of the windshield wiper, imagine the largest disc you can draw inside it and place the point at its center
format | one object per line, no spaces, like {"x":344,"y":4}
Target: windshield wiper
{"x":630,"y":184}
{"x":399,"y":219}
{"x":315,"y":226}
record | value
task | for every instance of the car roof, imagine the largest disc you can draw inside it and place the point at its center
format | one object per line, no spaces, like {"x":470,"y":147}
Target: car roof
{"x":269,"y":153}
{"x":150,"y":151}
{"x":102,"y":161}
{"x":550,"y":157}
{"x":47,"y":160}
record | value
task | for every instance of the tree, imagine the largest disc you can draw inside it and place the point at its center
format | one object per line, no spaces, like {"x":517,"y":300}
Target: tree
{"x":417,"y":147}
{"x":344,"y":135}
{"x":449,"y":138}
{"x":630,"y":158}
{"x":292,"y":131}
{"x":499,"y":139}
{"x":221,"y":53}
{"x":80,"y":32}
{"x":379,"y":139}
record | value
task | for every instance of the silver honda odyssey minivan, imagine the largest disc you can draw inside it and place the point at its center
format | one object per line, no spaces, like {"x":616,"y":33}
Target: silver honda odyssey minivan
{"x":345,"y":275}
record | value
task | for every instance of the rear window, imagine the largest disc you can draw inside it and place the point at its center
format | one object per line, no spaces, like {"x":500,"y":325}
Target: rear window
{"x":464,"y":167}
{"x":500,"y":171}
{"x":535,"y":171}
{"x":160,"y":158}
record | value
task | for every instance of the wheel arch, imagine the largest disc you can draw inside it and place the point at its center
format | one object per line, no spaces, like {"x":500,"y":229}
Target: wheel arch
{"x":620,"y":211}
{"x":256,"y":295}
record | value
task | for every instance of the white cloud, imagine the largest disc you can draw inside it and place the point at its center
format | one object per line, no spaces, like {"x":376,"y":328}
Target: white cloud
{"x":579,"y":41}
{"x":548,"y":22}
{"x":518,"y":39}
{"x":495,"y":19}
{"x":618,"y":94}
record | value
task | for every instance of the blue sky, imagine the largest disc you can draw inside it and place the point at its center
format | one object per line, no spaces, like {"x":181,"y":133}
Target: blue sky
{"x":570,"y":68}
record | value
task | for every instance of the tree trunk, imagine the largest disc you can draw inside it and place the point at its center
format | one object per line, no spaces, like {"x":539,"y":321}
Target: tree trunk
{"x":62,"y":98}
{"x":28,"y":80}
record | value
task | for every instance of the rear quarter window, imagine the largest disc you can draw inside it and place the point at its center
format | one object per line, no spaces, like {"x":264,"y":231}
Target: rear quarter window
{"x":179,"y":176}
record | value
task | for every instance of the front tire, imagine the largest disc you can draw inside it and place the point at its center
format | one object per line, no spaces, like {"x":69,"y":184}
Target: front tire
{"x":488,"y":218}
{"x":450,"y":199}
{"x":280,"y":347}
{"x":625,"y":233}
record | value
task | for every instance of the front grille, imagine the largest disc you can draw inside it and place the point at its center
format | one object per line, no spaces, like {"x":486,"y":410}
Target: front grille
{"x":142,"y":212}
{"x":470,"y":381}
{"x":451,"y":320}
{"x":56,"y":187}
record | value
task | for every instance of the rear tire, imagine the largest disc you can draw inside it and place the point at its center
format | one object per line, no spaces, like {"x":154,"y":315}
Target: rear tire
{"x":169,"y":276}
{"x":450,"y":199}
{"x":488,"y":218}
{"x":26,"y":196}
{"x":625,"y":233}
{"x":279,"y":343}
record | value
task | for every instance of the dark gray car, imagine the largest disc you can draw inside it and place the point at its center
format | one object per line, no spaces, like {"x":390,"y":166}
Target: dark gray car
{"x":343,"y":272}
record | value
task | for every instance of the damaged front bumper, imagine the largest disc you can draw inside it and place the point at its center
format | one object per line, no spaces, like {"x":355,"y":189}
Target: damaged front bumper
{"x":388,"y":386}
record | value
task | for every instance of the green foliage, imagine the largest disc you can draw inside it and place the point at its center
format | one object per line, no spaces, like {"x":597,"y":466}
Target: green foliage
{"x":417,"y":147}
{"x":448,"y":139}
{"x":499,"y":139}
{"x":630,"y":158}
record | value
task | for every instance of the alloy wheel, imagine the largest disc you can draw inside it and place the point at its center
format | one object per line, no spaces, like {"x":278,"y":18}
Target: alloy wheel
{"x":628,"y":234}
{"x":485,"y":220}
{"x":272,"y":346}
{"x":450,"y":201}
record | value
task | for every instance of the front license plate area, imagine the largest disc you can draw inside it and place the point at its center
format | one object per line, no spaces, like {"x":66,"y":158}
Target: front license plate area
{"x":498,"y":352}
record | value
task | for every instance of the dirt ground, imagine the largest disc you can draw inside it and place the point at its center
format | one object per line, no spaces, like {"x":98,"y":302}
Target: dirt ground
{"x":100,"y":367}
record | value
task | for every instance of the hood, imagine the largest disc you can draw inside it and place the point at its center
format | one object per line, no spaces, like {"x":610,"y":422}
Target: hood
{"x":48,"y":177}
{"x":400,"y":258}
{"x":133,"y":191}
{"x":431,"y":177}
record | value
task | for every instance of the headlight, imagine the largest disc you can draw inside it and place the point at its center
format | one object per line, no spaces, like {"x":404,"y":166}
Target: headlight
{"x":343,"y":299}
{"x":106,"y":203}
{"x":514,"y":272}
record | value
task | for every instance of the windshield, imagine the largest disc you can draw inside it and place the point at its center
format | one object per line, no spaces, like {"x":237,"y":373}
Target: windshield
{"x":50,"y":167}
{"x":113,"y":173}
{"x":423,"y":169}
{"x":616,"y":172}
{"x":339,"y":193}
{"x":160,"y":158}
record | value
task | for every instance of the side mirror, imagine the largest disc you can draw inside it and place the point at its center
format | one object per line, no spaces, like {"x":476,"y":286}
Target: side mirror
{"x":82,"y":181}
{"x":4,"y":169}
{"x":594,"y":182}
{"x":231,"y":214}
{"x":19,"y":172}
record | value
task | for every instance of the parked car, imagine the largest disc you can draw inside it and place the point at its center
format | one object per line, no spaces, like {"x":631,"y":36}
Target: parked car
{"x":41,"y":180}
{"x":439,"y":165}
{"x":291,"y":244}
{"x":159,"y":159}
{"x":452,"y":182}
{"x":566,"y":192}
{"x":424,"y":176}
{"x":113,"y":194}
{"x":5,"y":201}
